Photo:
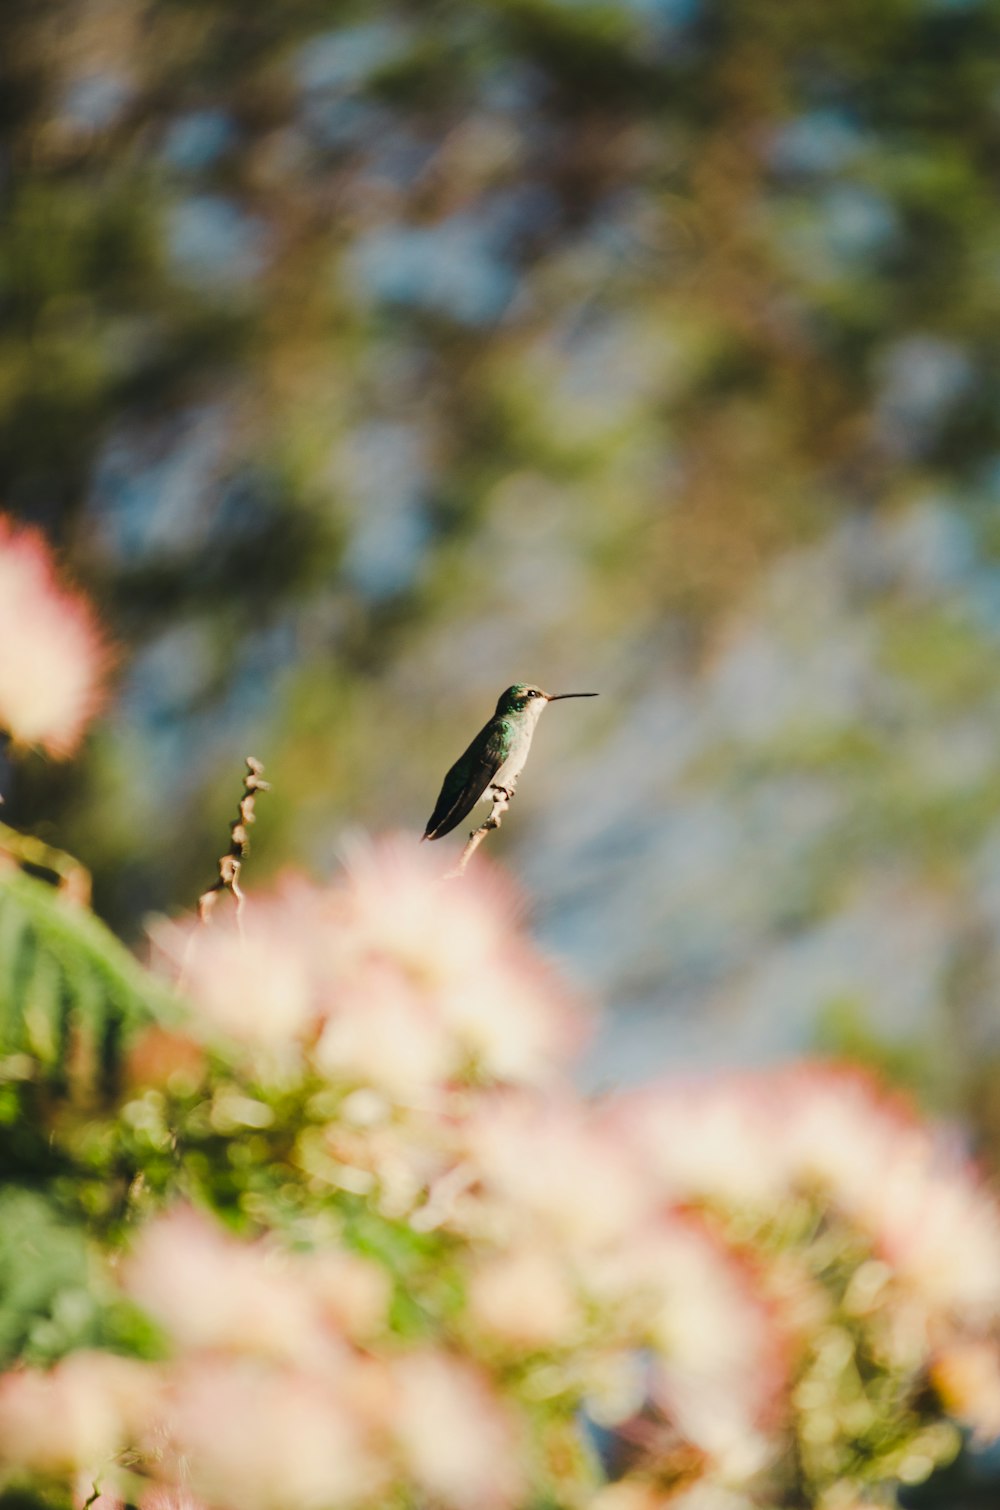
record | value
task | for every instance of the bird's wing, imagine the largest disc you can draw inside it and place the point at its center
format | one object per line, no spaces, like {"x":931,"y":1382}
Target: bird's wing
{"x":466,"y":782}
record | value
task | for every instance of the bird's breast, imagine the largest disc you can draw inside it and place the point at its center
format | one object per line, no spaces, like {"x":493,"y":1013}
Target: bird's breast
{"x":516,"y":756}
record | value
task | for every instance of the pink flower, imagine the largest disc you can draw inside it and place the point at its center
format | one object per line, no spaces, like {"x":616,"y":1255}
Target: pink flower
{"x":168,"y":1497}
{"x":53,"y":656}
{"x":900,"y":1182}
{"x":390,"y":979}
{"x":349,"y":1292}
{"x":239,"y":1432}
{"x":709,"y":1139}
{"x":76,"y":1416}
{"x":523,"y":1298}
{"x":455,"y":1436}
{"x":746,"y":1145}
{"x":458,"y":951}
{"x":719,"y":1365}
{"x":381,"y":1033}
{"x":548,"y":1166}
{"x":210,"y":1291}
{"x":939,"y":1230}
{"x":253,"y":984}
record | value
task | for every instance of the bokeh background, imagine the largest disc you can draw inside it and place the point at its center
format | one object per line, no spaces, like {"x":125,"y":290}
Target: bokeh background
{"x":362,"y":359}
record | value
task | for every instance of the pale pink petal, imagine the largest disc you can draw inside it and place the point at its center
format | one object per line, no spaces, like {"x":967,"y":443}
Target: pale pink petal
{"x":208,"y":1290}
{"x":456,"y":1438}
{"x":54,"y":657}
{"x":239,"y":1433}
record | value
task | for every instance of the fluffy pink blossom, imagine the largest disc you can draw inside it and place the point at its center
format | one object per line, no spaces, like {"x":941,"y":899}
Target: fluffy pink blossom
{"x":254,"y":984}
{"x":241,"y":1432}
{"x":76,"y":1416}
{"x":459,"y":949}
{"x":937,"y":1228}
{"x":54,"y":657}
{"x":349,"y":1293}
{"x":168,"y":1497}
{"x":719,"y":1366}
{"x":548,"y":1166}
{"x":747,"y":1144}
{"x":523,"y":1298}
{"x":637,"y":1494}
{"x":210,"y":1291}
{"x":708,"y":1139}
{"x":834,"y":1129}
{"x":382,"y":1033}
{"x":903,"y":1183}
{"x":391,"y":979}
{"x":456,"y":1439}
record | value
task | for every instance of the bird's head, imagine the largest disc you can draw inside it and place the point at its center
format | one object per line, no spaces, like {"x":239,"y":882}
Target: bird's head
{"x":523,"y":696}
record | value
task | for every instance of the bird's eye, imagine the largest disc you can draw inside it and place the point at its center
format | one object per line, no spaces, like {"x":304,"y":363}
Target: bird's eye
{"x":532,"y":693}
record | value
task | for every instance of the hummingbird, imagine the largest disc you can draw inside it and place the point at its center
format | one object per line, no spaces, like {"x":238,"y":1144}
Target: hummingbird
{"x":494,"y":759}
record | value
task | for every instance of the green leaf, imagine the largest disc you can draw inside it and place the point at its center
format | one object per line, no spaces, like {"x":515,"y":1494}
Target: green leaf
{"x":71,"y":995}
{"x":55,"y":1295}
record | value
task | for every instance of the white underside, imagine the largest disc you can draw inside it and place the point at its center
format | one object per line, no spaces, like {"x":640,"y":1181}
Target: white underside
{"x":512,"y":767}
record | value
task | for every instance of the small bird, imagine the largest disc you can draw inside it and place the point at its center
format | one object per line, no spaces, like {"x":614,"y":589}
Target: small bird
{"x":494,"y":759}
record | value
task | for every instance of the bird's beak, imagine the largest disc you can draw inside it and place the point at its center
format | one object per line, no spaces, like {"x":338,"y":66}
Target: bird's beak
{"x":556,"y":697}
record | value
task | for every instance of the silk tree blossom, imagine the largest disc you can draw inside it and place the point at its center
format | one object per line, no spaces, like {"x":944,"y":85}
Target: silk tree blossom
{"x":381,"y":1033}
{"x":523,"y":1298}
{"x":349,"y":1294}
{"x":243,"y":1432}
{"x":460,"y":950}
{"x":168,"y":1497}
{"x":54,"y":657}
{"x":892,"y":1200}
{"x":210,"y":1291}
{"x":252,"y":984}
{"x":391,"y":979}
{"x":831,"y":1134}
{"x":940,"y":1233}
{"x":77,"y":1416}
{"x":409,"y":1164}
{"x":907,"y":1188}
{"x":555,"y":1179}
{"x":720,"y":1373}
{"x":709,"y":1139}
{"x":547,"y":1166}
{"x":718,"y":1367}
{"x":456,"y":1438}
{"x":835,"y":1130}
{"x":750,"y":1141}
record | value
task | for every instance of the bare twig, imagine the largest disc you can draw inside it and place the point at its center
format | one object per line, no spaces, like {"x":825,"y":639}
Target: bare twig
{"x":231,"y":863}
{"x":501,"y":802}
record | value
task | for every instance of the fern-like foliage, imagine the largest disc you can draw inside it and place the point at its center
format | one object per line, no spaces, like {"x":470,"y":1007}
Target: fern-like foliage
{"x":71,"y":995}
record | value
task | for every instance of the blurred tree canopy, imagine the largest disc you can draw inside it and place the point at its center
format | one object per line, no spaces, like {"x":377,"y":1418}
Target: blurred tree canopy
{"x":365,"y":358}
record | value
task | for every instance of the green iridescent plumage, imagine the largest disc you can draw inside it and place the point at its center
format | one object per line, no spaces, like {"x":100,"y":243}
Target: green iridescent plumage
{"x":494,"y":758}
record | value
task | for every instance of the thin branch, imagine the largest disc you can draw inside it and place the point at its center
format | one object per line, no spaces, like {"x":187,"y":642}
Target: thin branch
{"x":501,"y":802}
{"x":231,"y":863}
